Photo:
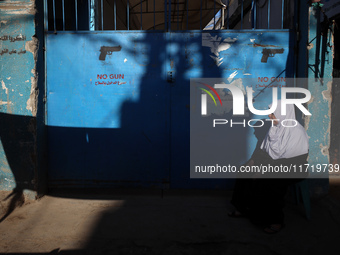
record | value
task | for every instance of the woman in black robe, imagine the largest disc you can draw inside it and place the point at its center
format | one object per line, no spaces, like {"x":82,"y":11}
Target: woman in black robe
{"x":261,"y":198}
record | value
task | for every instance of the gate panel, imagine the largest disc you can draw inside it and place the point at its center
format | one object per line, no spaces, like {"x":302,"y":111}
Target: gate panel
{"x":107,"y":109}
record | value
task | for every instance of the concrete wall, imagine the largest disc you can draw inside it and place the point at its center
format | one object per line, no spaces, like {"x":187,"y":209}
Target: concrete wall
{"x":20,"y":121}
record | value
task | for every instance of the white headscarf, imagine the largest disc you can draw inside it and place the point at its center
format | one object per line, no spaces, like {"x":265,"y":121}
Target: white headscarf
{"x":285,"y":142}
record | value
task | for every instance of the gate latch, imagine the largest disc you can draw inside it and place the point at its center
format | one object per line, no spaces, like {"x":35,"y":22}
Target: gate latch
{"x":171,"y":77}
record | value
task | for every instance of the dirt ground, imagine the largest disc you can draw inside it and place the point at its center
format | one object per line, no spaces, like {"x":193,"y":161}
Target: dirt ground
{"x":173,"y":222}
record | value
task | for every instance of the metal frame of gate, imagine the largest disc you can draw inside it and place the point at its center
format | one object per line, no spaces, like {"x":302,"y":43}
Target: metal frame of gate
{"x":174,"y":11}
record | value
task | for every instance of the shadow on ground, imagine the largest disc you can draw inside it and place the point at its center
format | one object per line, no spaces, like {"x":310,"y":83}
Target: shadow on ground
{"x":172,"y":222}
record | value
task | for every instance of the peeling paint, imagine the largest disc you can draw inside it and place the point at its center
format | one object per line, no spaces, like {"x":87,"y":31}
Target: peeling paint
{"x":321,"y":138}
{"x":17,"y":7}
{"x":216,"y":44}
{"x":310,"y":46}
{"x":3,"y":22}
{"x":218,"y":61}
{"x":8,"y":78}
{"x":32,"y":100}
{"x":32,"y":46}
{"x":125,"y":60}
{"x":4,"y":87}
{"x":306,"y":118}
{"x":264,"y":45}
{"x":5,"y":102}
{"x":326,"y":94}
{"x":231,"y":77}
{"x":324,"y":150}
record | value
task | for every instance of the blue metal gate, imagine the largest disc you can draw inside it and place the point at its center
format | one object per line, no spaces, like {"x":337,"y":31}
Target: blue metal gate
{"x":118,"y":101}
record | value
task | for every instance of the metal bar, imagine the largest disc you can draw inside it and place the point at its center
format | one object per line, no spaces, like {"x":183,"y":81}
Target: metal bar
{"x":89,"y":7}
{"x":201,"y":15}
{"x":255,"y":19}
{"x":93,"y":20}
{"x":115,"y":13}
{"x":103,"y":32}
{"x":133,"y":7}
{"x":268,"y":14}
{"x":283,"y":6}
{"x":101,"y":13}
{"x":318,"y":43}
{"x":177,"y":15}
{"x":45,"y":62}
{"x":297,"y":29}
{"x":323,"y":52}
{"x":187,"y":2}
{"x":154,"y":14}
{"x":45,"y":16}
{"x":165,"y":15}
{"x":170,"y":15}
{"x":222,"y":17}
{"x":90,"y":15}
{"x":242,"y":14}
{"x":54,"y":26}
{"x":227,"y":15}
{"x":214,"y":13}
{"x":141,"y":14}
{"x":209,"y":9}
{"x":128,"y":15}
{"x":76,"y":12}
{"x":63,"y":9}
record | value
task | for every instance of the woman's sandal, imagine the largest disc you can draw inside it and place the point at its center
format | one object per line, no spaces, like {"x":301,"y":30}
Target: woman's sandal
{"x":236,"y":214}
{"x":273,"y":228}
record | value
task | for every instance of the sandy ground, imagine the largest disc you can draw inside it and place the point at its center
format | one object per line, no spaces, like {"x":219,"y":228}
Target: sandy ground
{"x":137,"y":222}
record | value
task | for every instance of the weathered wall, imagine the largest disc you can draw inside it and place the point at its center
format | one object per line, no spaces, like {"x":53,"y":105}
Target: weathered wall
{"x":320,"y":65}
{"x":18,"y":96}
